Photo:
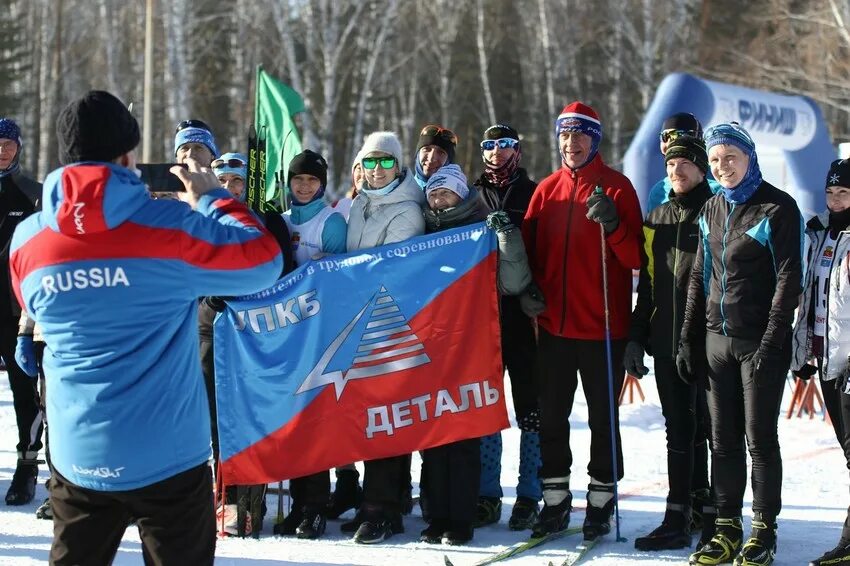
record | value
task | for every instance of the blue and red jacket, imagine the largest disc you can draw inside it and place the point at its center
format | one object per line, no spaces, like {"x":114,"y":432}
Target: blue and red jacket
{"x":112,"y":277}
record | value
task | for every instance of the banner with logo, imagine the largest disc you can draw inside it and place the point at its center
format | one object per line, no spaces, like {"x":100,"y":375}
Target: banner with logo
{"x":361,"y":356}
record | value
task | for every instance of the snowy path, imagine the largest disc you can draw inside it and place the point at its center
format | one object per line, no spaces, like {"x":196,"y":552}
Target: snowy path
{"x":815,"y":496}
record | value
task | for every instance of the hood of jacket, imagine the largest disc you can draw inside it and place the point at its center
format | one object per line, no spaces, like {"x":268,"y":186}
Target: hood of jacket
{"x":407,"y":190}
{"x":85,"y":198}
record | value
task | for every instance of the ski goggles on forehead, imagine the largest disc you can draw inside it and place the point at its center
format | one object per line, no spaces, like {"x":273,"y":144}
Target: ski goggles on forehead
{"x":501,"y":143}
{"x":191,"y":124}
{"x":232,"y":162}
{"x":439,"y":131}
{"x":671,"y":134}
{"x":372,"y":162}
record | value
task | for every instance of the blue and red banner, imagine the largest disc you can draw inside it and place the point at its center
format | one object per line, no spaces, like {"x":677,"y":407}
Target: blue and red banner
{"x":361,"y":356}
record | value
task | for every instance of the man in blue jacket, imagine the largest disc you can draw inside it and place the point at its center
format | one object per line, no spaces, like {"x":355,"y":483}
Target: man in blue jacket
{"x":112,"y":277}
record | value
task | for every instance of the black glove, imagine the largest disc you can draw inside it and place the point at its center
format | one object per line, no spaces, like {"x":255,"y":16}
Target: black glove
{"x":690,"y":362}
{"x":499,"y":221}
{"x":633,"y":360}
{"x":601,"y":209}
{"x":841,"y":382}
{"x":768,"y":366}
{"x":532,"y":302}
{"x":805,"y":372}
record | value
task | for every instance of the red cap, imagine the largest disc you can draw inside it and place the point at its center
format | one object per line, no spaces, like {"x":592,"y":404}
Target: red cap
{"x":579,"y":110}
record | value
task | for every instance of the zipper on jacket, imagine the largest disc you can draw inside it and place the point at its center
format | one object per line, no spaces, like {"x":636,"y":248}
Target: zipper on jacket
{"x":675,"y":345}
{"x":723,"y":262}
{"x":566,"y":255}
{"x":824,"y":354}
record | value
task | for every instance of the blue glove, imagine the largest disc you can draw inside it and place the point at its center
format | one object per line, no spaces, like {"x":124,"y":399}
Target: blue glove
{"x":25,"y":356}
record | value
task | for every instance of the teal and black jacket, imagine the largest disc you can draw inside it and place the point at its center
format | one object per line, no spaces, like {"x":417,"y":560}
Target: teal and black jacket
{"x":671,"y":237}
{"x":748,"y":272}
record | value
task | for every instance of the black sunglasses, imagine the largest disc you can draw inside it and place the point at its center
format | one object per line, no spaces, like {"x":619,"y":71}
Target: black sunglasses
{"x":192,"y":124}
{"x":232,"y":162}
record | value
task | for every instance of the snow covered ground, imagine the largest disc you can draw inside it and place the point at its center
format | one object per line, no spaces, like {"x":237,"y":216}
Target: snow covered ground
{"x":815,"y":496}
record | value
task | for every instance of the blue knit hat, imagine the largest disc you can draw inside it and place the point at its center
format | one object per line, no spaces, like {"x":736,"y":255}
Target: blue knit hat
{"x":10,"y":130}
{"x":195,"y":135}
{"x":730,"y":134}
{"x":220,"y":166}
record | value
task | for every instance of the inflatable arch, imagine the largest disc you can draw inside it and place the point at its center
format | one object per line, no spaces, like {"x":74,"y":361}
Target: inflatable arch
{"x":792,"y":140}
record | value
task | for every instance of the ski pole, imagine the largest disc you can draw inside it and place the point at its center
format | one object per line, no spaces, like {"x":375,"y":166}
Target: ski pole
{"x":598,"y":190}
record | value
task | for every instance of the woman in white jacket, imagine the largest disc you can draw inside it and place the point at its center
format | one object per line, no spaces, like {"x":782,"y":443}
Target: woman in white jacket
{"x":822,"y":332}
{"x":388,"y":209}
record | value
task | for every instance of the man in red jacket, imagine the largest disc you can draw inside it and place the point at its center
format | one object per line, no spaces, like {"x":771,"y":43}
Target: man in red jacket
{"x":562,"y":236}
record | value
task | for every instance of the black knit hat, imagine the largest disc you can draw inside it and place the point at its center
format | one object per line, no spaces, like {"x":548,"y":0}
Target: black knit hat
{"x":691,"y":148}
{"x":839,"y":174}
{"x":499,"y":131}
{"x":432,"y":135}
{"x":96,"y":127}
{"x":308,"y":163}
{"x":683,"y":121}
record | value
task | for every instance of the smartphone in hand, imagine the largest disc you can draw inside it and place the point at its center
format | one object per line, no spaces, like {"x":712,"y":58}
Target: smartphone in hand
{"x":158,"y":178}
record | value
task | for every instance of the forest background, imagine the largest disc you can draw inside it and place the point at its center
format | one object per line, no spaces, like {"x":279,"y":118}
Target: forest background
{"x":400,"y":64}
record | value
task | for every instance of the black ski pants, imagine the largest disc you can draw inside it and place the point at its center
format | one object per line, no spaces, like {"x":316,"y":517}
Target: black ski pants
{"x":453,"y":473}
{"x":560,"y":362}
{"x":312,"y":491}
{"x":519,"y":354}
{"x":685,"y":411}
{"x":838,"y":406}
{"x":24,"y":394}
{"x":175,"y":517}
{"x":743,"y":410}
{"x":383,"y":482}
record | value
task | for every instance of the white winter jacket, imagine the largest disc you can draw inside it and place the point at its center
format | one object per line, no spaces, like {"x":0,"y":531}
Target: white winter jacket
{"x":375,"y":220}
{"x":837,"y":339}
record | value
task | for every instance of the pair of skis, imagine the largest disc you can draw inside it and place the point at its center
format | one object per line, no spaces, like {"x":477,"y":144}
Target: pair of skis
{"x":574,"y":558}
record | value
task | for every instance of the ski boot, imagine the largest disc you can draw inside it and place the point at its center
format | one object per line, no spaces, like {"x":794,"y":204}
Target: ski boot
{"x":290,"y":523}
{"x":489,"y":511}
{"x":597,"y":519}
{"x":558,"y":503}
{"x":22,"y":489}
{"x":703,"y":514}
{"x":673,"y":533}
{"x":45,"y":510}
{"x":433,"y":534}
{"x":723,"y":546}
{"x":313,"y":525}
{"x":347,"y":493}
{"x":523,"y":515}
{"x":378,"y":525}
{"x":459,"y":533}
{"x":760,"y":548}
{"x":840,"y":555}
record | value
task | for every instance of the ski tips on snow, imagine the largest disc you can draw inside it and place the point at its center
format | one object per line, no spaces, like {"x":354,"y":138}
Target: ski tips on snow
{"x":521,"y":547}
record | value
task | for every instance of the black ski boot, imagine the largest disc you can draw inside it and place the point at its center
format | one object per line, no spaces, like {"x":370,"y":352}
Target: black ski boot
{"x":354,"y":524}
{"x":703,"y":514}
{"x":839,"y":555}
{"x":290,"y":523}
{"x":554,"y":518}
{"x":523,"y":515}
{"x":673,"y":533}
{"x":459,"y":533}
{"x":22,"y":489}
{"x":45,"y":510}
{"x":433,"y":534}
{"x":313,"y":525}
{"x":597,"y":520}
{"x":488,"y":511}
{"x":760,"y":548}
{"x":347,"y":493}
{"x":723,"y":546}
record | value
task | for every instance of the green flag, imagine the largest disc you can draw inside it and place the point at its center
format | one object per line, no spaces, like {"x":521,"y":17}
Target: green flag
{"x":275,"y":105}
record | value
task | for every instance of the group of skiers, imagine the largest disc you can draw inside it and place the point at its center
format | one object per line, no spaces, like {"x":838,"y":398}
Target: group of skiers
{"x":723,"y":266}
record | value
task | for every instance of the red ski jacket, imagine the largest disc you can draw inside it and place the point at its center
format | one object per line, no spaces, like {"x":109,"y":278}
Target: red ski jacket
{"x":565,"y":253}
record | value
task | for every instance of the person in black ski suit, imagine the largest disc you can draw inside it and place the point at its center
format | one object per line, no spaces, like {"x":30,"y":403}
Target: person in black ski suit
{"x":505,"y":186}
{"x":670,"y":245}
{"x":744,"y":287}
{"x":20,"y":196}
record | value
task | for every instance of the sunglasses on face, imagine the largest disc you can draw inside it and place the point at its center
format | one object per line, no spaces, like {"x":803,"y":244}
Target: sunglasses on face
{"x":501,"y":143}
{"x":439,"y":131}
{"x":372,"y":162}
{"x":669,"y":135}
{"x":192,"y":124}
{"x":232,"y":162}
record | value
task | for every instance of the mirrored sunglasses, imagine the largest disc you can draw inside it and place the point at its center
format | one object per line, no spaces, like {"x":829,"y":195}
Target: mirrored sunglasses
{"x":372,"y":162}
{"x":669,"y":135}
{"x":439,"y":131}
{"x":502,"y":143}
{"x":232,"y":162}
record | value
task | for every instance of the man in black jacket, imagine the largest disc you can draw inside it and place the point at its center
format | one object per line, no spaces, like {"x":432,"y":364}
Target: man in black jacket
{"x":505,"y":186}
{"x":19,"y":197}
{"x":670,"y":246}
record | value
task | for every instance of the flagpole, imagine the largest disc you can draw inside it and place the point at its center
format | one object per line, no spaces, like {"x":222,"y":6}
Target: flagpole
{"x":147,"y":117}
